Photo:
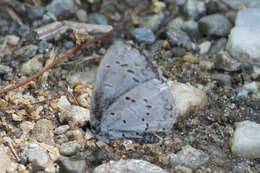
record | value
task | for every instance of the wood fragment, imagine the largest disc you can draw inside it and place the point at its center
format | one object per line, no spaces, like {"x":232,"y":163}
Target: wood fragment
{"x":11,"y":147}
{"x":58,"y":28}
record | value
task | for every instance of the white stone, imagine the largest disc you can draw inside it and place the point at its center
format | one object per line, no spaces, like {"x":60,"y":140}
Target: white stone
{"x":204,"y":47}
{"x":246,"y":140}
{"x":129,"y":166}
{"x":244,"y":38}
{"x":187,"y":97}
{"x":244,"y":43}
{"x":63,"y":102}
{"x":75,"y":114}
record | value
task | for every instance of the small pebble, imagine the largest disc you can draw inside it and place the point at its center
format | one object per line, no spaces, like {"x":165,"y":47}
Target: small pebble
{"x":82,"y":15}
{"x":226,"y":62}
{"x":217,"y":46}
{"x":12,"y":40}
{"x":26,"y":52}
{"x":61,"y":129}
{"x":178,"y":38}
{"x":31,"y":66}
{"x":204,"y":47}
{"x":194,"y":8}
{"x":74,"y":114}
{"x":97,"y":18}
{"x":61,"y":7}
{"x":143,"y":35}
{"x":215,"y":25}
{"x":189,"y":157}
{"x":69,"y":149}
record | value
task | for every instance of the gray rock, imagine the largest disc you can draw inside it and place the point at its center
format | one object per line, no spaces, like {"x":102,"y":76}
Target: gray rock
{"x":194,"y":8}
{"x":69,"y":149}
{"x":217,"y":46}
{"x":61,"y":7}
{"x":97,"y":18}
{"x":61,"y":129}
{"x":31,"y":66}
{"x":143,"y":35}
{"x":26,"y":52}
{"x":189,"y":157}
{"x":178,"y":51}
{"x":225,"y":62}
{"x":131,"y":166}
{"x":152,"y":22}
{"x":72,"y":165}
{"x":176,"y":22}
{"x":192,"y":29}
{"x":43,"y":46}
{"x":75,"y":114}
{"x":178,"y":38}
{"x":34,"y":12}
{"x":42,"y":131}
{"x":60,"y":139}
{"x":215,"y":25}
{"x":212,"y":7}
{"x":35,"y":154}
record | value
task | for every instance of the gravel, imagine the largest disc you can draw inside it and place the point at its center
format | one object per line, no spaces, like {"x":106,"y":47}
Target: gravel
{"x":209,"y":51}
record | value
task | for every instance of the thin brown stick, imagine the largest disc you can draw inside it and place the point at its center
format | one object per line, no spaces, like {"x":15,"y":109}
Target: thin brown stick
{"x":58,"y":61}
{"x":10,"y":145}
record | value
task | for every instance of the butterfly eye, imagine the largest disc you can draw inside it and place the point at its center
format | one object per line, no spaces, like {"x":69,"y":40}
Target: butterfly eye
{"x":147,"y":113}
{"x":124,"y":121}
{"x":108,"y":66}
{"x":112,"y":113}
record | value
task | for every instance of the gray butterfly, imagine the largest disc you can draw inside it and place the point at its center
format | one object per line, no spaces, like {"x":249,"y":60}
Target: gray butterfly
{"x":129,"y":98}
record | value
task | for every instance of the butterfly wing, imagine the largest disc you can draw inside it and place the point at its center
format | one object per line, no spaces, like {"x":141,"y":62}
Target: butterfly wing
{"x":122,"y":68}
{"x":145,"y":108}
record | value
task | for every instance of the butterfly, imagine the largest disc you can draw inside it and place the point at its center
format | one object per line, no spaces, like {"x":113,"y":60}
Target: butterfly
{"x":129,"y":98}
